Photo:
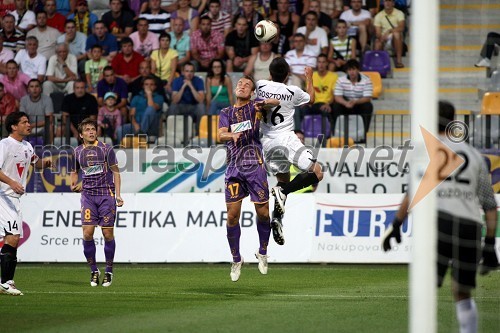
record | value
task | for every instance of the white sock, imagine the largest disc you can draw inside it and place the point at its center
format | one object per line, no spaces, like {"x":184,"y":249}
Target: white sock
{"x":467,"y":315}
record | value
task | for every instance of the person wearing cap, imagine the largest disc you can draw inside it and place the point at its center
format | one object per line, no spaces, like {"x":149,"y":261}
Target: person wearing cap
{"x":109,"y":117}
{"x":84,"y":19}
{"x":76,"y":107}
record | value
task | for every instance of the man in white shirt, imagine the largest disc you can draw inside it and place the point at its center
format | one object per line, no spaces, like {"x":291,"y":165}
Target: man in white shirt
{"x":25,"y":19}
{"x":316,"y":37}
{"x":61,"y":71}
{"x":298,"y":59}
{"x":359,"y":22}
{"x":47,"y":36}
{"x":30,"y":61}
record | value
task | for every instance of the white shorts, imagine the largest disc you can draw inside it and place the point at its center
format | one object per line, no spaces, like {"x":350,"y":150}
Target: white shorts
{"x":283,"y":151}
{"x":11,"y":219}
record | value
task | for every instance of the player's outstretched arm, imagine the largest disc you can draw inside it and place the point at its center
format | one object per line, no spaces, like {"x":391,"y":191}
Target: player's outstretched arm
{"x":394,"y":230}
{"x":43,"y":163}
{"x":118,"y":184}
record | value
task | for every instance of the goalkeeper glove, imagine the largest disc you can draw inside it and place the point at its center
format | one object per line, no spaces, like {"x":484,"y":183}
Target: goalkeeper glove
{"x":394,"y":231}
{"x":490,"y":260}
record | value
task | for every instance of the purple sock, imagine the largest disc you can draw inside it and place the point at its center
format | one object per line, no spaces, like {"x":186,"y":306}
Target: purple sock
{"x":109,"y":253}
{"x":233,"y":237}
{"x":264,"y":230}
{"x":89,"y":252}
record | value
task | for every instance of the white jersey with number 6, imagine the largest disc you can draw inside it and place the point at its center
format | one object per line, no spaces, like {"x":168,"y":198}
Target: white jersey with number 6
{"x":280,"y":119}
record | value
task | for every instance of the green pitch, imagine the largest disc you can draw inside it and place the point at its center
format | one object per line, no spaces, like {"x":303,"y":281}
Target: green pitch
{"x":202,"y":298}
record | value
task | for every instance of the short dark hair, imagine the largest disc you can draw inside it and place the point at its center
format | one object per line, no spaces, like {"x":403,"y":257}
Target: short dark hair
{"x":41,"y":12}
{"x":312,"y":13}
{"x":213,"y":1}
{"x":96,"y":46}
{"x":352,"y":64}
{"x":298,"y":34}
{"x":85,"y":122}
{"x":322,"y":55}
{"x":205,"y":18}
{"x":189,"y":63}
{"x":108,"y":68}
{"x":165,"y":35}
{"x":126,"y":40}
{"x":13,"y":119}
{"x":12,"y":61}
{"x":446,"y":114}
{"x":34,"y":80}
{"x":341,"y":21}
{"x":142,"y":19}
{"x":69,"y":21}
{"x":279,"y":69}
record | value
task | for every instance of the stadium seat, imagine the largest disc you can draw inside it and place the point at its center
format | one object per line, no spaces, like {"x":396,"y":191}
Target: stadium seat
{"x":376,"y":81}
{"x":133,"y":141}
{"x":491,"y":103}
{"x":377,"y":61}
{"x":204,"y":133}
{"x":174,"y":131}
{"x":312,"y":126}
{"x":338,"y":142}
{"x":356,"y":127}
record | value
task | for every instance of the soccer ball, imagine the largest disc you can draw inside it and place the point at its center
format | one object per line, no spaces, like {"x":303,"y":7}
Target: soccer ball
{"x":265,"y":31}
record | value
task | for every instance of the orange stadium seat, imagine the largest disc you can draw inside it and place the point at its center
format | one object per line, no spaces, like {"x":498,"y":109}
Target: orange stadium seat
{"x":491,"y":103}
{"x":204,"y":128}
{"x":376,"y":81}
{"x":336,"y":142}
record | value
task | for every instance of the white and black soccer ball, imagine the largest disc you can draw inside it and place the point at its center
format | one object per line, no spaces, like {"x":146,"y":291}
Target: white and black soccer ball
{"x":265,"y":31}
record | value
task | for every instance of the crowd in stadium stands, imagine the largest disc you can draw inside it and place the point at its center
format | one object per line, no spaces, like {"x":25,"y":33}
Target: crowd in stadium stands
{"x":141,"y":57}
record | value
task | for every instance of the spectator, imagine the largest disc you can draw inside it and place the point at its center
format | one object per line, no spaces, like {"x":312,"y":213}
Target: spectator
{"x":316,"y":37}
{"x":359,"y":23}
{"x":30,"y":61}
{"x":389,"y":28}
{"x":83,"y":17}
{"x":221,"y":21}
{"x":258,"y":64}
{"x":76,"y":42}
{"x":24,"y":18}
{"x":126,"y":63}
{"x":145,"y":110}
{"x":13,"y":39}
{"x":65,"y":7}
{"x":144,"y":40}
{"x":219,"y":88}
{"x":164,"y":61}
{"x":181,"y":42}
{"x":369,"y":5}
{"x":14,"y":82}
{"x":324,"y":20}
{"x":109,"y":118}
{"x":145,"y":72}
{"x":240,"y":45}
{"x":76,"y":107}
{"x":206,"y":44}
{"x":94,"y":68}
{"x":61,"y":71}
{"x":114,"y":84}
{"x":324,"y":87}
{"x":298,"y":59}
{"x":119,"y":23}
{"x":342,"y":48}
{"x":229,"y":6}
{"x":333,"y":8}
{"x":7,"y":6}
{"x":199,"y":5}
{"x":8,"y":103}
{"x":188,"y":94}
{"x":5,"y":55}
{"x":167,"y":5}
{"x":54,"y":19}
{"x":188,"y":14}
{"x":106,"y":40}
{"x":488,"y":49}
{"x":159,"y":20}
{"x":353,"y":95}
{"x":247,"y":10}
{"x":40,"y":110}
{"x":288,"y":23}
{"x":46,"y":36}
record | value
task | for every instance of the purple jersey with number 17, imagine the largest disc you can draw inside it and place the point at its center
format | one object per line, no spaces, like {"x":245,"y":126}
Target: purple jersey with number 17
{"x":95,"y":161}
{"x":245,"y":119}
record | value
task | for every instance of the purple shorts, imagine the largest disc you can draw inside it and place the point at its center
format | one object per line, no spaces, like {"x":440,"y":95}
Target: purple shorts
{"x":242,"y":181}
{"x":98,"y":210}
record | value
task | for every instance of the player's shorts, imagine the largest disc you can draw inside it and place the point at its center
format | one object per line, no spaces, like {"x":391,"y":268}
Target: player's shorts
{"x":283,"y":151}
{"x":459,"y":245}
{"x":244,"y":181}
{"x":11,"y":219}
{"x":98,"y":210}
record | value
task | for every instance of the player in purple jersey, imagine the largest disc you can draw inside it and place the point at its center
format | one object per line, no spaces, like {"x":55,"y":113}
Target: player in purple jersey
{"x":100,"y":189}
{"x":245,"y":173}
{"x":16,"y":156}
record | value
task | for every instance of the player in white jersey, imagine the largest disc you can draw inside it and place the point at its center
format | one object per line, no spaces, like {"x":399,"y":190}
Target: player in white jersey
{"x":460,"y":198}
{"x":16,"y":155}
{"x":280,"y":144}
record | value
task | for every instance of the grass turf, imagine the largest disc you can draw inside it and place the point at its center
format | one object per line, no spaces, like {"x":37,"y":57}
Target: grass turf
{"x":202,"y":298}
